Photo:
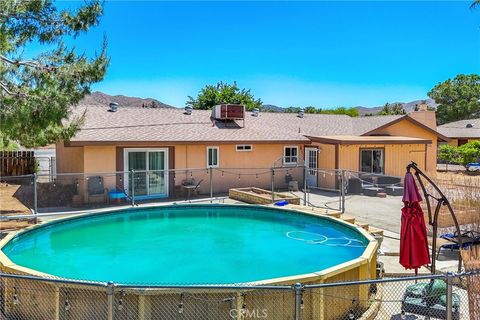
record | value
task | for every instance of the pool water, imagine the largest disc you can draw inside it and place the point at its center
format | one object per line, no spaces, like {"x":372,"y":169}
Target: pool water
{"x":187,"y":245}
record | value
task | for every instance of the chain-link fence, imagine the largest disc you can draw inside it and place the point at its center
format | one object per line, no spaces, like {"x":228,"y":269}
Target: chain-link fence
{"x":67,"y":192}
{"x":449,"y":296}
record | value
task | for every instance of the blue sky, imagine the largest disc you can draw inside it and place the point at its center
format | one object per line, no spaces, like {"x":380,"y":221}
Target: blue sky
{"x":324,"y":54}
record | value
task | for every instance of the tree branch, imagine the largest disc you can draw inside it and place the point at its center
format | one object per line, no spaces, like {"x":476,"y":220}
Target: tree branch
{"x":28,"y":63}
{"x":5,"y":88}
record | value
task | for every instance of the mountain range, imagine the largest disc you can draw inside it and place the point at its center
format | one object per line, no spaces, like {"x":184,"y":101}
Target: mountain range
{"x":101,"y":98}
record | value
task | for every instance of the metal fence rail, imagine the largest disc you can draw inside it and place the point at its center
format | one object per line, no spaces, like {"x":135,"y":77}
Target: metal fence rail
{"x":435,"y":296}
{"x":68,"y":192}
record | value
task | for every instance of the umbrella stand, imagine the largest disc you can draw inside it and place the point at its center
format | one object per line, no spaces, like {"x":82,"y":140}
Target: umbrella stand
{"x":433,"y":219}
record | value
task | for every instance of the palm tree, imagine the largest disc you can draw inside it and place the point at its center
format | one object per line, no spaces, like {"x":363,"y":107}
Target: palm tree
{"x":475,"y":4}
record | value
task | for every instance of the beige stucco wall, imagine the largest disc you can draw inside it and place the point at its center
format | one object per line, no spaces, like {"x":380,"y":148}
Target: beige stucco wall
{"x":99,"y":159}
{"x":246,"y":169}
{"x":408,"y":129}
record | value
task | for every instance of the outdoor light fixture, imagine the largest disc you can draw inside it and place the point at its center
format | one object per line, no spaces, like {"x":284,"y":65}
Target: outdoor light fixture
{"x":15,"y":299}
{"x":222,"y":173}
{"x":67,"y":305}
{"x":54,"y":182}
{"x":351,"y":314}
{"x":180,"y":305}
{"x":76,"y":182}
{"x":99,"y":180}
{"x":120,"y":301}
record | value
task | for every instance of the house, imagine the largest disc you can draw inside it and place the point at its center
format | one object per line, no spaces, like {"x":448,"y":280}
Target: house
{"x":461,"y":132}
{"x":241,"y":151}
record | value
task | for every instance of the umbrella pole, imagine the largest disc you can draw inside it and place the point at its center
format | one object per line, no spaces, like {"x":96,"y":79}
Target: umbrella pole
{"x":434,"y":221}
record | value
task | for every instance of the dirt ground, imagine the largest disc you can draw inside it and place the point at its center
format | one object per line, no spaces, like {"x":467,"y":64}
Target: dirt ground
{"x":10,"y":205}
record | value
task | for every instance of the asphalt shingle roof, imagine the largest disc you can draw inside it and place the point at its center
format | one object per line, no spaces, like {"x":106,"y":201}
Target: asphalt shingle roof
{"x":172,"y":125}
{"x":458,"y":129}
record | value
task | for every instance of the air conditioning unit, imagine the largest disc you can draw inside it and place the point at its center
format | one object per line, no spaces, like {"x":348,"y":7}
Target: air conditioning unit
{"x":229,"y":112}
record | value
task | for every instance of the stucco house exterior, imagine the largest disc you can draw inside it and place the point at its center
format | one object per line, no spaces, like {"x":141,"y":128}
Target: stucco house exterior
{"x":160,"y":139}
{"x":461,"y":132}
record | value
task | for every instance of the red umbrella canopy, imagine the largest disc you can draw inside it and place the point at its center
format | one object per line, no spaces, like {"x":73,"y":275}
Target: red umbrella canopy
{"x":414,"y":251}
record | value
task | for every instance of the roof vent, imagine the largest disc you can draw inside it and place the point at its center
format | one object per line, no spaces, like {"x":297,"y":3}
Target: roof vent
{"x":255,"y":112}
{"x":301,"y":113}
{"x":188,"y":110}
{"x":113,"y":107}
{"x":469,"y":125}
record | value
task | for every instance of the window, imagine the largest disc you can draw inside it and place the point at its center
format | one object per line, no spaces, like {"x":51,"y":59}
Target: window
{"x":290,"y":155}
{"x":244,"y":147}
{"x":372,"y":161}
{"x":212,"y":157}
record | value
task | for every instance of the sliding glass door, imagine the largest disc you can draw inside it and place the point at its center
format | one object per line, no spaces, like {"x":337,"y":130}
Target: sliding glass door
{"x":149,"y":179}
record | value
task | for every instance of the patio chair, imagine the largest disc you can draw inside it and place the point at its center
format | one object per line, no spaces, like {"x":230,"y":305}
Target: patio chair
{"x":429,"y":299}
{"x":468,"y":238}
{"x":96,"y":191}
{"x":190,"y":187}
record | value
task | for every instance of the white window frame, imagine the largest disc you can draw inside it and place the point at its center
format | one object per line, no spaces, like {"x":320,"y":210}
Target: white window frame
{"x":241,"y":148}
{"x":285,"y":156}
{"x":218,"y":157}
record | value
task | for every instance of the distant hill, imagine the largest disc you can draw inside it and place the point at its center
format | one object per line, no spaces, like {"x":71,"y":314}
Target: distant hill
{"x":123,"y":101}
{"x":407,"y":106}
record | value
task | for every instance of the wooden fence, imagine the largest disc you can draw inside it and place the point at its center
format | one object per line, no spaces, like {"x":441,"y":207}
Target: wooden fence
{"x":17,"y":163}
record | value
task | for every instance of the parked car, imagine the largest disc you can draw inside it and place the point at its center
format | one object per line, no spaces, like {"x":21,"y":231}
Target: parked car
{"x":474,"y":166}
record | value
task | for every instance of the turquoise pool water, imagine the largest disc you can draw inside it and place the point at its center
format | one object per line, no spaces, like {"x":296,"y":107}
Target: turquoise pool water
{"x":187,"y":245}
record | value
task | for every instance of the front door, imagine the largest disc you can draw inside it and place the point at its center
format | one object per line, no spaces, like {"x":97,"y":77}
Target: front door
{"x":149,"y":178}
{"x":311,"y":161}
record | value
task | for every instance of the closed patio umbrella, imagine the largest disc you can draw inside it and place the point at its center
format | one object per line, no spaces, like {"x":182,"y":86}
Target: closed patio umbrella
{"x":414,"y":251}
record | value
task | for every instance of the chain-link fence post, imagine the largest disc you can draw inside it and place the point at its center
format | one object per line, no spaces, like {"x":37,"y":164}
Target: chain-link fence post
{"x":132,"y":181}
{"x":35,"y":204}
{"x":343,"y":191}
{"x":110,"y":300}
{"x":273,"y":184}
{"x":305,"y":185}
{"x":210,"y":171}
{"x":298,"y":300}
{"x":449,"y":295}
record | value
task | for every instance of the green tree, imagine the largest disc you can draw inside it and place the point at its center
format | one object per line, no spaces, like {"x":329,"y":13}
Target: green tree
{"x":36,"y":92}
{"x":449,"y":154}
{"x":392,"y":109}
{"x":352,"y":112}
{"x":458,"y":98}
{"x":212,"y":95}
{"x":469,"y":152}
{"x":475,"y":4}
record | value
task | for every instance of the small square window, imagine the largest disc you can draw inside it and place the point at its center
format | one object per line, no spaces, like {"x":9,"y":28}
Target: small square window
{"x":243,"y":147}
{"x":290,"y":155}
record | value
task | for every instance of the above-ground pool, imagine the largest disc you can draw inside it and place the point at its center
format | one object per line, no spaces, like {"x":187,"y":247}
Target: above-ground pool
{"x":192,"y":244}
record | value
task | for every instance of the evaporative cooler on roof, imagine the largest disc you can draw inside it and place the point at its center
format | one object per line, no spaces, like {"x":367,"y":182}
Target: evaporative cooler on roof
{"x":229,"y":112}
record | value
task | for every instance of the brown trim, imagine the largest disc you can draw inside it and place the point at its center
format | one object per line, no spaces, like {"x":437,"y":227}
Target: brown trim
{"x":408,"y":118}
{"x":385,"y":141}
{"x":170,"y":143}
{"x":425,"y":166}
{"x":337,"y":154}
{"x":360,"y":157}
